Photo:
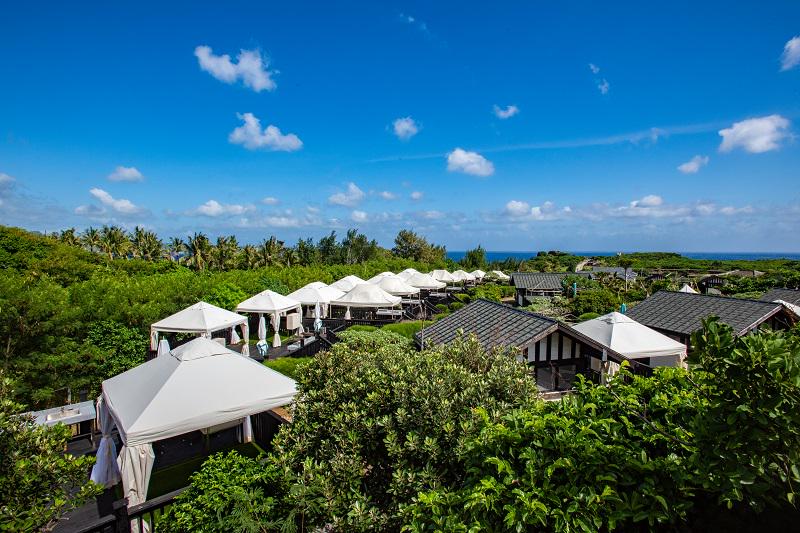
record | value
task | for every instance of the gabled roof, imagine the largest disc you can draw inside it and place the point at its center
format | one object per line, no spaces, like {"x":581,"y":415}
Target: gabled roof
{"x":201,"y":317}
{"x":619,"y":272}
{"x":542,"y":281}
{"x":682,"y":312}
{"x":787,"y":295}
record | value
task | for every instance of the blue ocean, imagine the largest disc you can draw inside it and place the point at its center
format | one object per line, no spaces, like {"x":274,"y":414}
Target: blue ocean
{"x":714,"y":256}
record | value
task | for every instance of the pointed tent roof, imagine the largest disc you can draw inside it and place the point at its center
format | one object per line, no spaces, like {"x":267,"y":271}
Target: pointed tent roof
{"x":478,"y":273}
{"x":500,"y":275}
{"x":378,"y":277}
{"x":687,"y":288}
{"x":443,"y":275}
{"x":396,"y":286}
{"x":196,"y":385}
{"x":267,"y":302}
{"x":407,"y":273}
{"x":630,"y":338}
{"x":201,"y":317}
{"x":367,"y":295}
{"x":316,"y":292}
{"x":347,"y":283}
{"x":424,"y":282}
{"x":462,"y":275}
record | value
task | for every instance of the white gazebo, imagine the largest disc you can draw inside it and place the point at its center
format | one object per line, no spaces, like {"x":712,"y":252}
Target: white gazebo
{"x":195,"y":386}
{"x":424,"y":282}
{"x":376,"y":278}
{"x":500,"y":275}
{"x":634,"y":340}
{"x":443,"y":275}
{"x":366,"y":295}
{"x":407,"y":273}
{"x":462,"y":275}
{"x":202,"y":319}
{"x":687,"y":288}
{"x":316,"y":293}
{"x":479,"y":274}
{"x":276,"y":305}
{"x":347,"y":283}
{"x":396,"y":286}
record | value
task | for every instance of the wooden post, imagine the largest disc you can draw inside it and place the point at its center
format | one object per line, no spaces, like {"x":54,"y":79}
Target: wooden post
{"x":123,"y":522}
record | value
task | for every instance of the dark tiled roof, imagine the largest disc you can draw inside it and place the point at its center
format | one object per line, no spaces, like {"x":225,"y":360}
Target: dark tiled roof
{"x":542,"y":281}
{"x":682,"y":312}
{"x":494,"y":324}
{"x":787,"y":295}
{"x":617,"y":271}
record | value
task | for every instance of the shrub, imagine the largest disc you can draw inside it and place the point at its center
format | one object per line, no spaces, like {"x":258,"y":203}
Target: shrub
{"x":226,"y":295}
{"x":455,"y":306}
{"x":442,"y":308}
{"x":587,"y":316}
{"x":361,"y":327}
{"x":600,"y":301}
{"x":406,"y":329}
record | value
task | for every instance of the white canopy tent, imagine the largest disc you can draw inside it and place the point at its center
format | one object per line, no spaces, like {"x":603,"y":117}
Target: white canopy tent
{"x":461,"y":275}
{"x":376,"y":278}
{"x":396,"y":286}
{"x":424,"y":282}
{"x":500,"y":275}
{"x":633,"y":340}
{"x":202,"y":319}
{"x":443,"y":275}
{"x":347,"y":283}
{"x":198,"y":385}
{"x":407,"y":273}
{"x":366,"y":295}
{"x":271,"y":303}
{"x":687,"y":288}
{"x":479,"y":274}
{"x":316,"y":292}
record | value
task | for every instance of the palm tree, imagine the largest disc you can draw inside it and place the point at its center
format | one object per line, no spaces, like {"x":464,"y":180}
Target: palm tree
{"x":248,"y":257}
{"x":114,"y":241}
{"x":198,"y":247}
{"x":175,"y":247}
{"x":138,"y":242}
{"x":91,"y":239}
{"x":290,"y":257}
{"x":270,"y":252}
{"x":69,"y":237}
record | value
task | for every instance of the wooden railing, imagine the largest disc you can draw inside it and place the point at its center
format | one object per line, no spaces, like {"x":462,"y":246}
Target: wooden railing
{"x":137,"y":518}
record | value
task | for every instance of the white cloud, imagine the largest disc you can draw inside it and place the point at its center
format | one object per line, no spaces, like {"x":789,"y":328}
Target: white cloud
{"x":250,"y":67}
{"x":521,"y":210}
{"x":213,"y":208}
{"x":349,"y":198}
{"x":729,"y":210}
{"x":358,"y":216}
{"x":603,"y":86}
{"x":431,"y":215}
{"x":90,"y":210}
{"x":594,"y":68}
{"x":755,"y":135}
{"x":693,"y":165}
{"x":125,"y":174}
{"x":469,"y":163}
{"x":121,"y":206}
{"x":270,"y":200}
{"x":405,"y":128}
{"x":387,"y":195}
{"x":508,"y":112}
{"x":791,"y":54}
{"x":518,"y":208}
{"x":651,"y":200}
{"x":416,"y":195}
{"x":252,"y":137}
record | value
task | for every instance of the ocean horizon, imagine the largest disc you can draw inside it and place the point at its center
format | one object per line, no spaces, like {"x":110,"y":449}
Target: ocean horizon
{"x":457,"y":255}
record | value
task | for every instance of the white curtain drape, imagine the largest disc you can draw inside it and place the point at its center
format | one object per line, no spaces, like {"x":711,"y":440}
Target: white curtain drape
{"x":136,"y":464}
{"x":163,"y":347}
{"x":153,"y":339}
{"x":104,"y":471}
{"x":262,"y":328}
{"x":247,"y":430}
{"x":276,"y":323}
{"x":235,"y":339}
{"x":246,"y":336}
{"x":347,"y":313}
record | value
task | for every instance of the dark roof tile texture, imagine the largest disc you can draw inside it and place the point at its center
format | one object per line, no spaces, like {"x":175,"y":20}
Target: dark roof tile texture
{"x":787,"y":295}
{"x":681,"y":312}
{"x":494,"y":324}
{"x":542,"y":281}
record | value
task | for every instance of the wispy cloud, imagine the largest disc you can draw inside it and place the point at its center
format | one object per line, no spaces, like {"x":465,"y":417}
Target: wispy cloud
{"x":416,"y":195}
{"x":126,"y":174}
{"x":251,"y":136}
{"x":755,"y":135}
{"x":350,"y":197}
{"x":693,"y":165}
{"x":472,"y":163}
{"x":121,"y":205}
{"x":358,"y":216}
{"x":507,"y":112}
{"x":603,"y":86}
{"x":270,"y":200}
{"x":791,"y":54}
{"x":213,"y":208}
{"x":594,"y":68}
{"x":250,"y":67}
{"x":387,"y":195}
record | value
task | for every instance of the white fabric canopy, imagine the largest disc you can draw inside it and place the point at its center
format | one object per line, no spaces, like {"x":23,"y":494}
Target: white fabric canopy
{"x":424,"y":282}
{"x":479,"y":274}
{"x":316,"y":292}
{"x":268,"y":302}
{"x":500,"y":275}
{"x":347,"y":283}
{"x":396,"y":286}
{"x":201,"y":318}
{"x":461,"y":275}
{"x":376,"y":278}
{"x":367,"y":295}
{"x":687,"y":288}
{"x":633,"y":340}
{"x":105,"y":471}
{"x":163,"y":347}
{"x":443,"y":275}
{"x":407,"y":273}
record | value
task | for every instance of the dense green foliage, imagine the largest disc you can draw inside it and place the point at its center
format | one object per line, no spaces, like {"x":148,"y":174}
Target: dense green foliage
{"x":38,"y":482}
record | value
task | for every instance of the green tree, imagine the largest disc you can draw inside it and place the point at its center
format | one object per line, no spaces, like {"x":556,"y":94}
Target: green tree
{"x":199,"y":248}
{"x":475,"y":259}
{"x":91,"y":239}
{"x":38,"y":481}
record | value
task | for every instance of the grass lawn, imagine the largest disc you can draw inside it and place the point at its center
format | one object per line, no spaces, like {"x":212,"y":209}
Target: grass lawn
{"x":287,"y":366}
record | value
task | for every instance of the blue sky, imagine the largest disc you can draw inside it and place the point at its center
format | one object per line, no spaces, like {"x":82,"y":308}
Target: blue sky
{"x":516,"y":125}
